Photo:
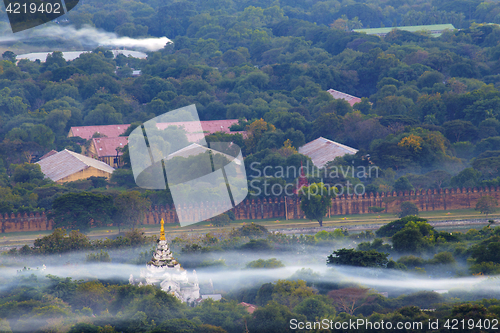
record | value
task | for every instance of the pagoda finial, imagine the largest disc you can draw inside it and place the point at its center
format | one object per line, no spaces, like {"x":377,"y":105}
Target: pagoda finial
{"x":162,"y":231}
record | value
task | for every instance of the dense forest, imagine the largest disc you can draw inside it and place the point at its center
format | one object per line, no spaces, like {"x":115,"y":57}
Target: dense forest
{"x":430,"y":106}
{"x":429,"y":117}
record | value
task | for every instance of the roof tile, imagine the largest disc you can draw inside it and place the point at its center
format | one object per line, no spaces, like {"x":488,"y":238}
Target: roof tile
{"x":111,"y":131}
{"x":108,"y":146}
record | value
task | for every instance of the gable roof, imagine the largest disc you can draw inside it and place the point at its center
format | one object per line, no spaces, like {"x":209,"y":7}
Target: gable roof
{"x":435,"y":29}
{"x":111,"y":131}
{"x":250,"y":307}
{"x":321,"y":151}
{"x":195,"y":149}
{"x":195,"y":132}
{"x":108,"y":146}
{"x":66,"y":163}
{"x":340,"y":95}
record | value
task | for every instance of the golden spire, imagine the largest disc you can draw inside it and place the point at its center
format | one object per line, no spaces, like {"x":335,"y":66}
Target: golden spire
{"x":162,"y":231}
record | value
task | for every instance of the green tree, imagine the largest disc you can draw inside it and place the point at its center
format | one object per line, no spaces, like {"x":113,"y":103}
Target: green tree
{"x":82,"y":210}
{"x":27,"y":172}
{"x":414,"y":238}
{"x":402,"y":185}
{"x":123,"y":177}
{"x":103,"y":114}
{"x":233,"y":58}
{"x":460,"y":130}
{"x":466,"y":178}
{"x":273,"y":317}
{"x":315,"y":200}
{"x":130,"y":208}
{"x":5,"y":326}
{"x":351,"y":257}
{"x":487,"y":250}
{"x":408,"y":208}
{"x":220,"y":220}
{"x":327,"y":125}
{"x":84,"y":328}
{"x":315,"y":307}
{"x":92,"y":294}
{"x":487,"y":204}
{"x":101,"y":256}
{"x":9,"y":55}
{"x":42,"y":135}
{"x":59,"y":242}
{"x":252,"y":230}
{"x":269,"y":263}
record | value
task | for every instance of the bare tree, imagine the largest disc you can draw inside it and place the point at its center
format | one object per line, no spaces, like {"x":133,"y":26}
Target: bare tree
{"x":350,"y":299}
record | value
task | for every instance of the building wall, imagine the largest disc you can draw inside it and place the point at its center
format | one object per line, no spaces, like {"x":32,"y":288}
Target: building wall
{"x":277,"y":208}
{"x":84,"y":174}
{"x":426,"y":200}
{"x":24,"y":222}
{"x":109,"y":160}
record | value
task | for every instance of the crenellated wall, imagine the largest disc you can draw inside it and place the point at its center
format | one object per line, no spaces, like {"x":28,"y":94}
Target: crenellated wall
{"x":255,"y":209}
{"x":426,"y":200}
{"x":24,"y":222}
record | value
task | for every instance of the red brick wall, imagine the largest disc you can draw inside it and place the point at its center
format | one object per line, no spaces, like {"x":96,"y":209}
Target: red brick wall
{"x":426,"y":200}
{"x":24,"y":222}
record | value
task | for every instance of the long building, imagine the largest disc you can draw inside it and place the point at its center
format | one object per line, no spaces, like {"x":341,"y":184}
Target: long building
{"x":67,"y":166}
{"x":340,"y":95}
{"x":105,"y":147}
{"x":434,"y":29}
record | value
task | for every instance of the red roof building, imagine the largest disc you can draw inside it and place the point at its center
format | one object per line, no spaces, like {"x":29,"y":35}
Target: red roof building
{"x":340,"y":95}
{"x":106,"y":150}
{"x":86,"y":132}
{"x":250,"y":307}
{"x":198,"y":130}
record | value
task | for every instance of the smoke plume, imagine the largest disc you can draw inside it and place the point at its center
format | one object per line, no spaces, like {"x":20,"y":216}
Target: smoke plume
{"x":86,"y":36}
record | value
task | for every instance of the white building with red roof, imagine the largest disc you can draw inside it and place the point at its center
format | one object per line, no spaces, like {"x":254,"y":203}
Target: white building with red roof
{"x":340,"y":95}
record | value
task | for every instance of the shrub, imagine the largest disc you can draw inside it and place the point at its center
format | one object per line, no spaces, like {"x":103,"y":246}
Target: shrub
{"x":408,"y":208}
{"x":102,"y":256}
{"x":391,"y":228}
{"x":252,"y":230}
{"x":375,"y":209}
{"x":269,"y":263}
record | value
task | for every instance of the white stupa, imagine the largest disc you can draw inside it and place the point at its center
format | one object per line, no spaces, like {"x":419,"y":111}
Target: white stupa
{"x":164,"y":270}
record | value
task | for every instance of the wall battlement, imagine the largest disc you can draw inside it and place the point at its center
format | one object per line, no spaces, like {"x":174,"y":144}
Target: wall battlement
{"x":426,"y":200}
